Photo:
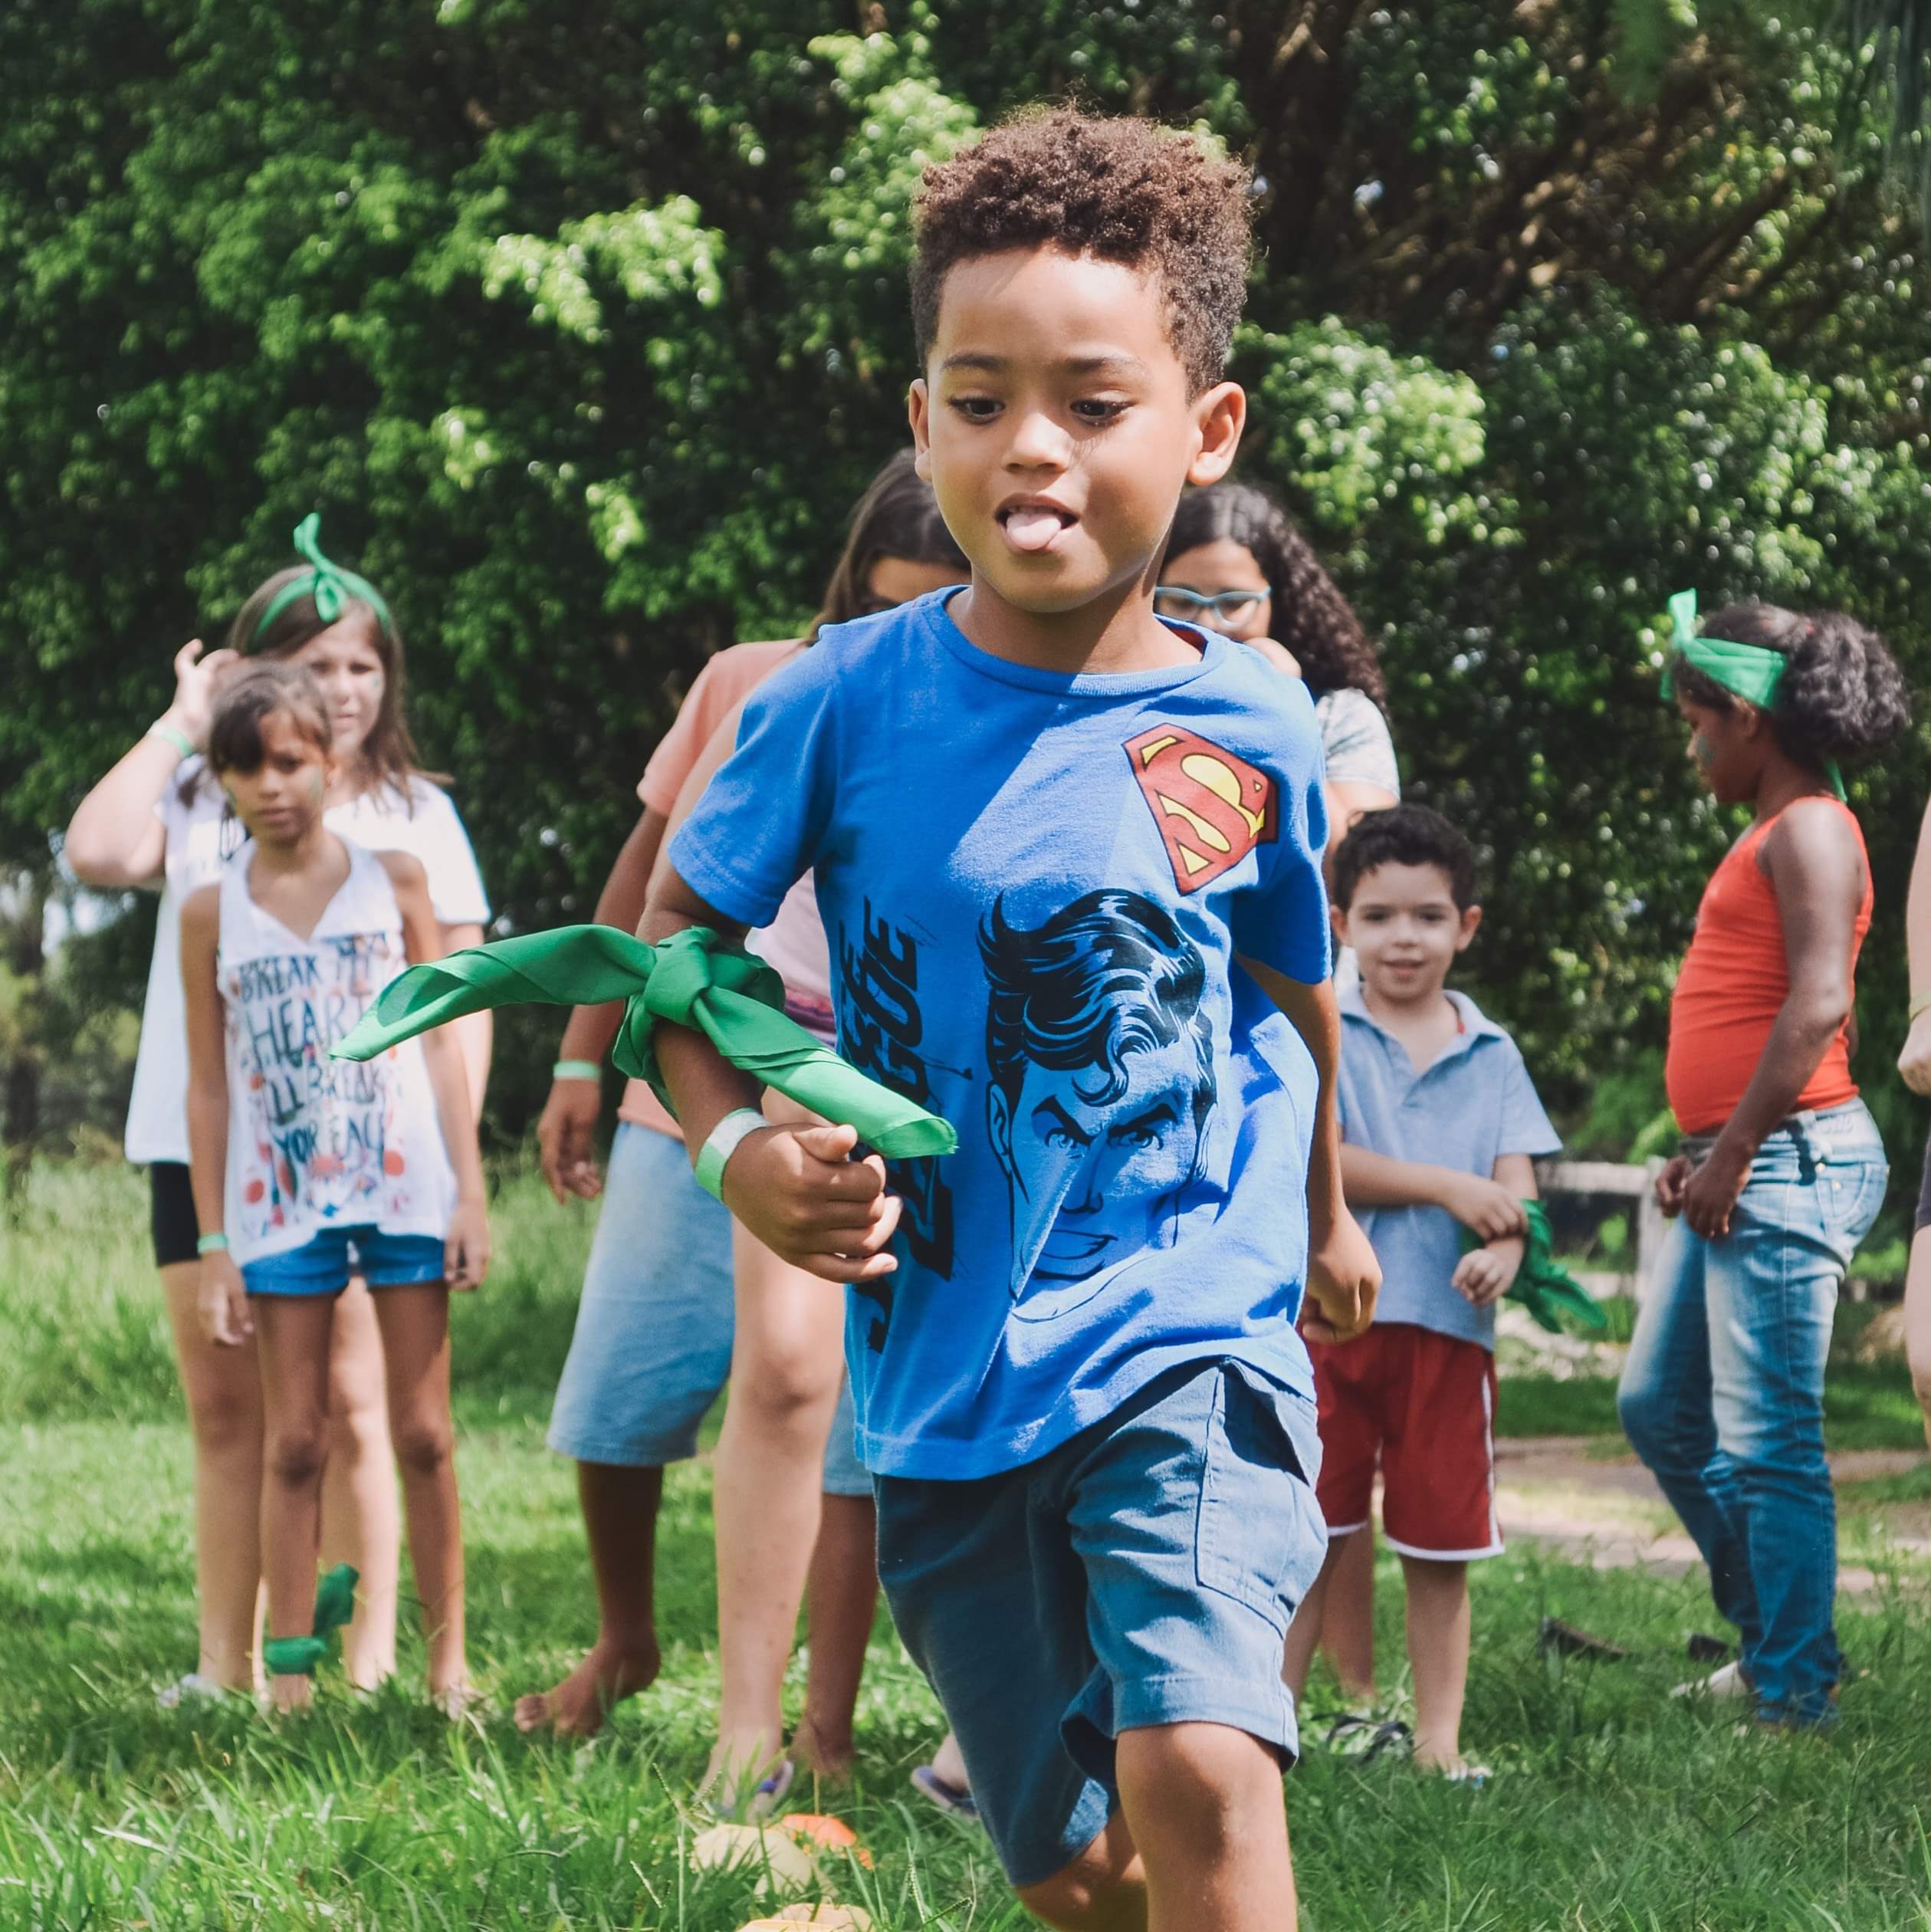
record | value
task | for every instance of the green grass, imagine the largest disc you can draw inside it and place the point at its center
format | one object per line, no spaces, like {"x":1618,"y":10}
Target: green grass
{"x":1614,"y":1810}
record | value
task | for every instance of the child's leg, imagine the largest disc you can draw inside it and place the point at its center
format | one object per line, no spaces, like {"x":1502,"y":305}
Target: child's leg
{"x":620,"y":1505}
{"x":223,"y":1387}
{"x":414,"y":1321}
{"x":1348,"y":1622}
{"x":1917,"y":1322}
{"x":361,"y":1524}
{"x":292,"y":1343}
{"x":650,"y":1351}
{"x":1204,"y":1806}
{"x":1304,"y":1633}
{"x":787,"y":1362}
{"x":1438,"y":1647}
{"x":841,"y":1592}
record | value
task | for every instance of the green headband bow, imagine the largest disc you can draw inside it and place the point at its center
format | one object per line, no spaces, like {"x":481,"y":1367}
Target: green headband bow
{"x":332,"y":588}
{"x":1750,"y":671}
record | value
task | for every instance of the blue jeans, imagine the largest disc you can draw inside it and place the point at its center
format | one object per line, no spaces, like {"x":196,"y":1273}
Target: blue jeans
{"x":1722,"y":1396}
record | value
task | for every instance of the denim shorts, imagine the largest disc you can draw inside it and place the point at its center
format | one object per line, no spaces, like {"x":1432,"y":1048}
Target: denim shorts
{"x":1143,"y":1573}
{"x":324,"y":1265}
{"x":651,"y":1348}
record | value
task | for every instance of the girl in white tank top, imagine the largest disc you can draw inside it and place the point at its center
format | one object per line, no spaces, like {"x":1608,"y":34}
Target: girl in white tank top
{"x":307,"y":1170}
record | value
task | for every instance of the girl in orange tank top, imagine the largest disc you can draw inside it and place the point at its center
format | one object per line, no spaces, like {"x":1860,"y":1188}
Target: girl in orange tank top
{"x":1722,"y":1391}
{"x":1760,"y":1025}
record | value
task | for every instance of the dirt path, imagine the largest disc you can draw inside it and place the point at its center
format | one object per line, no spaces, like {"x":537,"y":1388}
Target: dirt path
{"x":1605,"y":1509}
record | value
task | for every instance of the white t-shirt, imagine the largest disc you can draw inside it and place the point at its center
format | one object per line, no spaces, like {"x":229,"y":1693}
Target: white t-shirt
{"x":313,"y":1142}
{"x":201,"y":837}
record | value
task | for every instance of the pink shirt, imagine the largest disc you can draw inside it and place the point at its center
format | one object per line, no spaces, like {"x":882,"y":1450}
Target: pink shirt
{"x":794,"y":941}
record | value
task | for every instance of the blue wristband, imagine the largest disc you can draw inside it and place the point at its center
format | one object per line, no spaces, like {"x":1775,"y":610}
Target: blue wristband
{"x":216,"y":1243}
{"x":725,"y":1139}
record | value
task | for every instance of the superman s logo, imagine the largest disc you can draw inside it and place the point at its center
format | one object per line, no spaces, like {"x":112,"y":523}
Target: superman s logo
{"x":1212,"y":808}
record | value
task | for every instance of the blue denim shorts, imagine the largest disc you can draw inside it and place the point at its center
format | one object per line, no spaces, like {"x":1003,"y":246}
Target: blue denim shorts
{"x":651,"y":1348}
{"x":1143,"y":1573}
{"x":324,"y":1265}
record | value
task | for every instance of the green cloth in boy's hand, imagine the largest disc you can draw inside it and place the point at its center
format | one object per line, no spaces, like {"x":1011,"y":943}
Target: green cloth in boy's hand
{"x":1542,"y":1285}
{"x":693,"y":979}
{"x":335,"y":1604}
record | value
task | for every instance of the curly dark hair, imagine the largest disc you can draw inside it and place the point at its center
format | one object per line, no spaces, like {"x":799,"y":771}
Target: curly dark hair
{"x":1404,"y":835}
{"x":1842,"y":700}
{"x":1310,"y":616}
{"x":1126,"y":190}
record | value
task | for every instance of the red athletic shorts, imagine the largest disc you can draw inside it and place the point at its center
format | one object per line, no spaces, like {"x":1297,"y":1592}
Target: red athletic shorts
{"x":1424,"y":1404}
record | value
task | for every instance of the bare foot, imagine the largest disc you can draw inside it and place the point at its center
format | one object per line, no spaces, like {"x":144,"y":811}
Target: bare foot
{"x":456,"y":1700}
{"x":291,"y":1693}
{"x":820,"y":1753}
{"x":578,"y":1706}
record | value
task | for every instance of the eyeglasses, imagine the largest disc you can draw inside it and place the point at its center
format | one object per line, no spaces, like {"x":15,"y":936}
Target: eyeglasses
{"x":1172,"y":600}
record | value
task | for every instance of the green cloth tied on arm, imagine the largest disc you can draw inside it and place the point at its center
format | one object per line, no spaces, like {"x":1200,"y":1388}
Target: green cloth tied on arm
{"x":693,"y":979}
{"x":335,"y":1604}
{"x":1750,"y":671}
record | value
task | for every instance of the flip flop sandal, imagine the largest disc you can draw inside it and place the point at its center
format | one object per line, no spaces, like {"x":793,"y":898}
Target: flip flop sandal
{"x":1557,"y":1638}
{"x":753,"y":1806}
{"x":194,"y":1688}
{"x":1367,"y":1738}
{"x":954,"y":1800}
{"x":1470,"y":1777}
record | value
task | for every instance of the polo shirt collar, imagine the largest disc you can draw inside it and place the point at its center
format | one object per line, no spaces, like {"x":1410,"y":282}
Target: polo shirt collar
{"x":1476,"y":1024}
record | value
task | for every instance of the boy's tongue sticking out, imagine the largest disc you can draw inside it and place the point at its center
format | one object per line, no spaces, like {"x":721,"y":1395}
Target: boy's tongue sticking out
{"x":1032,"y":526}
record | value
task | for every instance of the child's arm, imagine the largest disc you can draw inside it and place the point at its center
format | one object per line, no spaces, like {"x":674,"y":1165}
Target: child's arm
{"x":1343,"y":1277}
{"x":1816,"y":873}
{"x":221,"y":1298}
{"x":568,"y":1128}
{"x":794,"y":1188}
{"x":1484,"y":1274}
{"x":1914,"y":1062}
{"x":466,"y":1247}
{"x":1373,"y":1180}
{"x":113,"y":839}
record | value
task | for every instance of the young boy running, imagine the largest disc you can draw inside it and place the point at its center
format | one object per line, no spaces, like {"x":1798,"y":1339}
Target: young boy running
{"x":1439,"y":1120}
{"x":1068,"y":860}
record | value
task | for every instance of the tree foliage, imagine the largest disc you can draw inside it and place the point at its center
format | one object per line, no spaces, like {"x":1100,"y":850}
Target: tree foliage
{"x":582,"y":324}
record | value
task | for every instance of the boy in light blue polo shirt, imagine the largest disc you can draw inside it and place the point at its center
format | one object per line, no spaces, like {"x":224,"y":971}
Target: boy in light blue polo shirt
{"x":1439,"y":1123}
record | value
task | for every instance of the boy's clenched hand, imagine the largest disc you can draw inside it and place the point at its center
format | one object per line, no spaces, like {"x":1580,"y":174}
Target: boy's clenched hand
{"x":1485,"y":1206}
{"x":1344,"y":1278}
{"x":798,"y":1191}
{"x":1484,"y":1275}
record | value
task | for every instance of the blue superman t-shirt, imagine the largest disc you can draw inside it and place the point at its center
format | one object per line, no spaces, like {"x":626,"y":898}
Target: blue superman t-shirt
{"x":1034,"y":887}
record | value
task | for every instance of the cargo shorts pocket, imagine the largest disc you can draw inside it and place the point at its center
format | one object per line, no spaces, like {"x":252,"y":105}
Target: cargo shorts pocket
{"x":1260,"y":1537}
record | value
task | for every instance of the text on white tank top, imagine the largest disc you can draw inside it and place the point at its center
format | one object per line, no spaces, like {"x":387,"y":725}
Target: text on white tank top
{"x":314,"y":1142}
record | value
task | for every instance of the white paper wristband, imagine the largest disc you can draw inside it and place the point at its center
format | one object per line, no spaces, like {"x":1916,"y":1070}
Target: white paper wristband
{"x":725,"y":1139}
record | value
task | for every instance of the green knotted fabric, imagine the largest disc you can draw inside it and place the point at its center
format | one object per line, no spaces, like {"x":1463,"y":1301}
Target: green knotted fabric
{"x":335,"y":1604}
{"x":693,"y":979}
{"x":1544,"y":1287}
{"x":332,"y":588}
{"x":1750,"y":671}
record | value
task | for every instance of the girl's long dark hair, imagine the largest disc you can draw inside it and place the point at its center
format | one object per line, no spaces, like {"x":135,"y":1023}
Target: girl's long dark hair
{"x":388,"y":754}
{"x":1310,"y":616}
{"x":898,"y":516}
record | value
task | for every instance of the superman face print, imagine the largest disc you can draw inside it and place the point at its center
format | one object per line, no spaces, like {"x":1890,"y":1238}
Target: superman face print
{"x":1101,"y":1059}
